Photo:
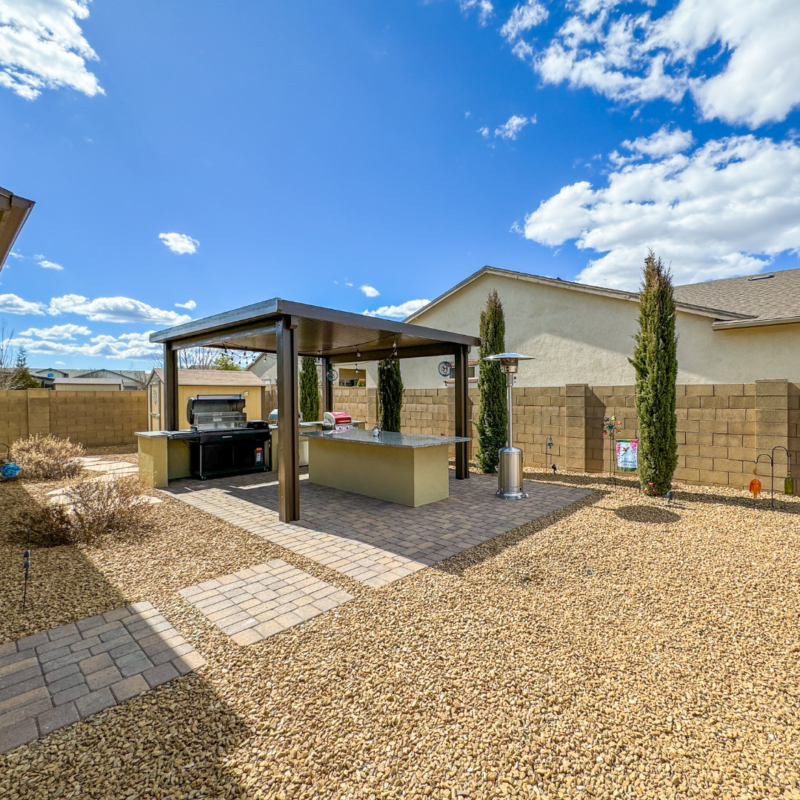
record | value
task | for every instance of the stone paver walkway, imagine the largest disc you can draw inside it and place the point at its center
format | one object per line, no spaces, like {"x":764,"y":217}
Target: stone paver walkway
{"x":374,"y":541}
{"x":108,"y":469}
{"x":254,"y":603}
{"x":56,"y":677}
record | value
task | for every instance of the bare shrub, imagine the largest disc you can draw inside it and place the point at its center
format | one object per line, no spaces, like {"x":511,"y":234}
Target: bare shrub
{"x":91,"y":510}
{"x":47,"y":457}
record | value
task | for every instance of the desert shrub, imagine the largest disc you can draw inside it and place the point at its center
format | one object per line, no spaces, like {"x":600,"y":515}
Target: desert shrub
{"x":47,"y":457}
{"x":91,"y":509}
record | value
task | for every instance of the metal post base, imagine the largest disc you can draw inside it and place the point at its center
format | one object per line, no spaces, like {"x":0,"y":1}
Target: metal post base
{"x":509,"y":474}
{"x":511,"y":495}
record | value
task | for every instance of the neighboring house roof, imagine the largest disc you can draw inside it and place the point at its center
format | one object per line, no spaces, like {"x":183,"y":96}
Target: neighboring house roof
{"x":87,"y":381}
{"x":689,"y":307}
{"x":13,"y":213}
{"x":212,"y":377}
{"x":770,"y":298}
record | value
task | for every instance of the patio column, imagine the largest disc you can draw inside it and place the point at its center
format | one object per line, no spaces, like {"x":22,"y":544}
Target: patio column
{"x":461,"y":386}
{"x":171,"y":411}
{"x":327,"y":386}
{"x":288,"y":421}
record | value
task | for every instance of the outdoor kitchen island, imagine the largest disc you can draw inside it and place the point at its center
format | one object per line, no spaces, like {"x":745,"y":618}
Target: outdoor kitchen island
{"x":408,"y":469}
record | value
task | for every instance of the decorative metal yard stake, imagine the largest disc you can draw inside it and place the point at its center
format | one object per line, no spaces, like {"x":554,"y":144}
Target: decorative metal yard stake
{"x":611,"y":427}
{"x":788,"y":484}
{"x":26,"y":569}
{"x":547,"y":453}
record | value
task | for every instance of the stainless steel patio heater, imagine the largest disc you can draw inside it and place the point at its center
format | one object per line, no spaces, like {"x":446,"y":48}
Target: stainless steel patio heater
{"x":509,"y":473}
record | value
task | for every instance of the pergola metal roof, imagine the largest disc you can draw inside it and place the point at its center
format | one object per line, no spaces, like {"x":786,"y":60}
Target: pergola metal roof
{"x":13,"y":213}
{"x":321,"y":332}
{"x":295,"y":329}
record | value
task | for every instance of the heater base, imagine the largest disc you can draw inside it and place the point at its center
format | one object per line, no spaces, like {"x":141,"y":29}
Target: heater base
{"x":511,"y":495}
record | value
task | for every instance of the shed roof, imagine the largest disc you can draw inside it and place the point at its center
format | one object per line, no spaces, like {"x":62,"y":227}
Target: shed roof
{"x":89,"y":381}
{"x":213,"y":377}
{"x":337,"y":335}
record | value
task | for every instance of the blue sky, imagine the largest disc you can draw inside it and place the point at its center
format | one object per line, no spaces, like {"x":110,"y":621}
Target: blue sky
{"x":367,"y":156}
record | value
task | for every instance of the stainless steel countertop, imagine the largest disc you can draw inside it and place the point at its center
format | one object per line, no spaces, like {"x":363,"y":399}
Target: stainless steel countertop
{"x":386,"y":438}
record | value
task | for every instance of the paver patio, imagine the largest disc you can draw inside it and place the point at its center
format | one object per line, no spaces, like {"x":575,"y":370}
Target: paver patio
{"x":373,"y":541}
{"x":56,"y":677}
{"x":252,"y":604}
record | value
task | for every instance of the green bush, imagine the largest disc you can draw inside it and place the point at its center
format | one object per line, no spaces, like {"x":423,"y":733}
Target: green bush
{"x":493,"y":416}
{"x":390,"y":394}
{"x":309,"y":389}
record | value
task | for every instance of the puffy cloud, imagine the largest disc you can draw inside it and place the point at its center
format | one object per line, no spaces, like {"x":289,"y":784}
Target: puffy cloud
{"x":484,"y":131}
{"x":58,"y":332}
{"x":726,"y":209}
{"x":191,"y":305}
{"x":11,"y":304}
{"x":179,"y":243}
{"x":632,"y":57}
{"x":131,"y":346}
{"x":523,"y":18}
{"x":42,"y":47}
{"x":43,"y":262}
{"x":114,"y":309}
{"x":398,"y":312}
{"x":663,"y":142}
{"x":485,"y":8}
{"x":370,"y":291}
{"x":511,"y":129}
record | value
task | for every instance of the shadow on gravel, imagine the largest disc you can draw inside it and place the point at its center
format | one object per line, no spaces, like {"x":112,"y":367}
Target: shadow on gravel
{"x":651,"y":515}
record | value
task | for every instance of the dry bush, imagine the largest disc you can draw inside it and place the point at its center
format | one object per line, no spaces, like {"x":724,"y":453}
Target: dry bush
{"x":92,"y":509}
{"x":47,"y":457}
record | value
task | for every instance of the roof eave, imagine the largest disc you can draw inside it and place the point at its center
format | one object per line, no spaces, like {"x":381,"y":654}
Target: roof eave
{"x":14,"y":212}
{"x":754,"y":322}
{"x":616,"y":294}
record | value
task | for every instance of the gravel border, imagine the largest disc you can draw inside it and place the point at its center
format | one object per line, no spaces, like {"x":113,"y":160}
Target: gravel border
{"x":617,"y":648}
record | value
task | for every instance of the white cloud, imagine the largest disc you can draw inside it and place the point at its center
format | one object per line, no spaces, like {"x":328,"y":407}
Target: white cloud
{"x":523,"y":18}
{"x":398,"y":312}
{"x":59,"y":363}
{"x":347,"y":283}
{"x":370,"y":291}
{"x":132,"y":346}
{"x":43,"y":262}
{"x":42,"y":47}
{"x":663,"y":142}
{"x":485,"y":8}
{"x":511,"y":129}
{"x":58,"y":332}
{"x":484,"y":131}
{"x":11,"y":304}
{"x":114,"y":309}
{"x":633,"y":57}
{"x":179,"y":243}
{"x":16,"y":255}
{"x":726,"y":209}
{"x":191,"y":305}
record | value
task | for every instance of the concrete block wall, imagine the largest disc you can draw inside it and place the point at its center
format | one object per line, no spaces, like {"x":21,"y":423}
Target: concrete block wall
{"x":90,"y":418}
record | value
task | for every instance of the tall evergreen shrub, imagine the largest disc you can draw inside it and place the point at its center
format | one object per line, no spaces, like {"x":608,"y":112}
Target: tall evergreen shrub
{"x":655,"y":360}
{"x":390,"y":394}
{"x":493,"y":415}
{"x":309,"y":389}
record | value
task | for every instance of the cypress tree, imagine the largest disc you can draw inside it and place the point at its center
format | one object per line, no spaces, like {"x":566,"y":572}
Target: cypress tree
{"x":655,"y":360}
{"x":493,"y":415}
{"x":309,"y":389}
{"x":390,"y":394}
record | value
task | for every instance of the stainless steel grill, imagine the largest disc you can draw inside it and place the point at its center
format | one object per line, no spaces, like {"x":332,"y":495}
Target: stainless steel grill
{"x":214,"y":412}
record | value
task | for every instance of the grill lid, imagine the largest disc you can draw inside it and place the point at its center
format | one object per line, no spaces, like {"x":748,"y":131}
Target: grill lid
{"x":227,"y":404}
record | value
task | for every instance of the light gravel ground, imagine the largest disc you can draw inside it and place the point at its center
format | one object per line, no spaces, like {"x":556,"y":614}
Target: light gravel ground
{"x":618,"y":648}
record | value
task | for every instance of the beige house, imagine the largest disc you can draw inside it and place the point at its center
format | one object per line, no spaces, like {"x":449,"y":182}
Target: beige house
{"x":266,"y":367}
{"x":731,"y":331}
{"x":192,"y":382}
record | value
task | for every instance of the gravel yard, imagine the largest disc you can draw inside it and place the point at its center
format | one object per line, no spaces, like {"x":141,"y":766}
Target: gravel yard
{"x":618,"y":648}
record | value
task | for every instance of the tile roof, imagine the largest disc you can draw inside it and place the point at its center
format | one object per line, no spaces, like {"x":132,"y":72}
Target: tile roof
{"x":769,"y":295}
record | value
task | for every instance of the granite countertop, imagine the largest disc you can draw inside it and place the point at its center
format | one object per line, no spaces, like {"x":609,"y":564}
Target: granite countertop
{"x":387,"y":438}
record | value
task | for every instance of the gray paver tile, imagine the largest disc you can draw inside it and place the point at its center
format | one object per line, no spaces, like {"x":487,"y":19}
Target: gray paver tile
{"x":32,"y":641}
{"x":102,"y":678}
{"x":129,"y":687}
{"x":65,"y":683}
{"x":94,"y":702}
{"x":58,"y":717}
{"x":163,"y":673}
{"x":73,"y":693}
{"x":94,"y":663}
{"x":18,"y":734}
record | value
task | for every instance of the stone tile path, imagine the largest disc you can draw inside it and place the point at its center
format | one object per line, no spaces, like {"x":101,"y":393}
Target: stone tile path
{"x":56,"y":677}
{"x":108,"y":469}
{"x":254,"y":603}
{"x":374,"y":541}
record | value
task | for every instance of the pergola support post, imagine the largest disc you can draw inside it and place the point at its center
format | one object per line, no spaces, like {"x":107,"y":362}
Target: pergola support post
{"x":288,"y":421}
{"x":327,"y":386}
{"x":461,"y":396}
{"x":171,"y":411}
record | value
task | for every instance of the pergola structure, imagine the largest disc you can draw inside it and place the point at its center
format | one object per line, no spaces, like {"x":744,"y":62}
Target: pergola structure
{"x":292,"y":330}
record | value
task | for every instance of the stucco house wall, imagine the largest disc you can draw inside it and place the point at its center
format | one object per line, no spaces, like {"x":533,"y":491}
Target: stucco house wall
{"x":580,"y":337}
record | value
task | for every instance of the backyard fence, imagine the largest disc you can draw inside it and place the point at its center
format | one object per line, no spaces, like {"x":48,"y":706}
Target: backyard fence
{"x":721,"y":427}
